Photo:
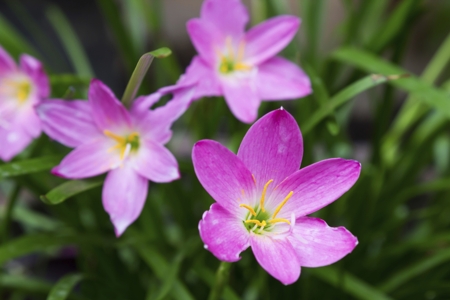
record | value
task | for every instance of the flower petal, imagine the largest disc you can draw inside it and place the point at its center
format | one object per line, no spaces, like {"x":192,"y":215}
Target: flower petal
{"x":88,"y":160}
{"x":317,"y":186}
{"x":13,"y":140}
{"x":229,"y":17}
{"x":107,"y":111}
{"x":206,"y":39}
{"x":242,"y":98}
{"x":272,"y":148}
{"x":223,"y":175}
{"x":124,"y":194}
{"x":203,"y":76}
{"x":155,"y":162}
{"x":68,"y":122}
{"x":223,"y":234}
{"x":29,"y":121}
{"x":270,"y":37}
{"x":34,"y":69}
{"x":7,"y":63}
{"x":155,"y":124}
{"x":317,"y":244}
{"x":280,"y":79}
{"x":277,"y":257}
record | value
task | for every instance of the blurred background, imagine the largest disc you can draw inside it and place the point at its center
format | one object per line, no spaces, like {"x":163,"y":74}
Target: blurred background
{"x":399,"y":209}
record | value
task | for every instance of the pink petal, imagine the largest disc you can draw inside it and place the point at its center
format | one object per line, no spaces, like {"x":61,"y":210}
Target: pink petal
{"x":88,"y":160}
{"x":223,"y":234}
{"x":280,"y":79}
{"x":155,"y":162}
{"x":272,"y":148}
{"x":229,"y":17}
{"x":68,"y":122}
{"x":277,"y":257}
{"x":34,"y":69}
{"x":7,"y":63}
{"x":13,"y":141}
{"x":242,"y":98}
{"x":203,"y":76}
{"x":319,"y":245}
{"x":223,"y":175}
{"x":317,"y":186}
{"x":108,"y":112}
{"x":124,"y":194}
{"x":270,"y":37}
{"x":206,"y":39}
{"x":155,"y":124}
{"x":27,"y":118}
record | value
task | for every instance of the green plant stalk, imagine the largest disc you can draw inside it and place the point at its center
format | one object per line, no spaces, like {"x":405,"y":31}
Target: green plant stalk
{"x":222,"y":275}
{"x":7,"y":216}
{"x":139,"y":73}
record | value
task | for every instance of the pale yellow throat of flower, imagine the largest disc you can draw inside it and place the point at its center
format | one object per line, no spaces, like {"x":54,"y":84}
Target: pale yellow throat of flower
{"x":230,"y":61}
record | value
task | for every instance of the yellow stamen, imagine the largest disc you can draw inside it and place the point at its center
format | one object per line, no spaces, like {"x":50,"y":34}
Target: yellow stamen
{"x":257,"y":222}
{"x":252,"y":211}
{"x":229,"y":43}
{"x":282,"y":204}
{"x":279,"y":221}
{"x":263,"y":196}
{"x":241,"y":51}
{"x":254,"y":179}
{"x":242,"y":67}
{"x":263,"y":224}
{"x":115,"y":137}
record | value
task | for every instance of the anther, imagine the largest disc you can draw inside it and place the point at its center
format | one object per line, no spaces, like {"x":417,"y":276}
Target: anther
{"x":252,"y":211}
{"x":263,"y":196}
{"x":273,"y":221}
{"x":282,"y":204}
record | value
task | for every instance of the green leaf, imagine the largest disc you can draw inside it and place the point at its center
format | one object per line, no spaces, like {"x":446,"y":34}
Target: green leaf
{"x":70,"y":41}
{"x":414,"y":270}
{"x":424,"y":91}
{"x":69,"y":189}
{"x":64,"y":286}
{"x":342,"y":97}
{"x":21,"y":283}
{"x":12,"y":40}
{"x":349,"y":283}
{"x":29,"y":166}
{"x":44,"y":242}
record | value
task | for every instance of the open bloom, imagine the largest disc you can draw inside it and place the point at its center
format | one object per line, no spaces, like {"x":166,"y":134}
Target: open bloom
{"x":263,"y":199}
{"x":239,"y":65}
{"x":109,"y":138}
{"x":21,"y":88}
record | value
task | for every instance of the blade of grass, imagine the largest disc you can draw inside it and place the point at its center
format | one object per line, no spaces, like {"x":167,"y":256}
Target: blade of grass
{"x":69,"y":189}
{"x":419,"y":268}
{"x":13,"y":41}
{"x":342,"y":97}
{"x":70,"y":41}
{"x":29,"y":166}
{"x":62,"y":289}
{"x":349,"y":283}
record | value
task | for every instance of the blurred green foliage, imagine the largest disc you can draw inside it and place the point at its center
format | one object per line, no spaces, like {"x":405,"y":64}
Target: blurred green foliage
{"x":398,"y":209}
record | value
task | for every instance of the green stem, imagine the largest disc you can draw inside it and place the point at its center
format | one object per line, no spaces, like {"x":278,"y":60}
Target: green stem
{"x":136,"y":78}
{"x":223,"y":272}
{"x":7,"y":216}
{"x":139,"y":72}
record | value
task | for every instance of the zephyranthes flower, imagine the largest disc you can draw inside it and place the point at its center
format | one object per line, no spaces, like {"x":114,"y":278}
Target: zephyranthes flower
{"x":263,"y":199}
{"x":21,"y":88}
{"x":240,"y":65}
{"x":109,"y":138}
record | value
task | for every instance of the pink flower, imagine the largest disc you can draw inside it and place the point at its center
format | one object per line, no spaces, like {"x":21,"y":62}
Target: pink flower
{"x":21,"y":88}
{"x":263,"y":199}
{"x":240,"y":65}
{"x":109,"y":138}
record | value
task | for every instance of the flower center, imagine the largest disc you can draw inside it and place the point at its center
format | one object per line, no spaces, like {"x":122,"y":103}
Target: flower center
{"x":258,"y":220}
{"x":125,"y":145}
{"x":19,"y":89}
{"x":231,"y":61}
